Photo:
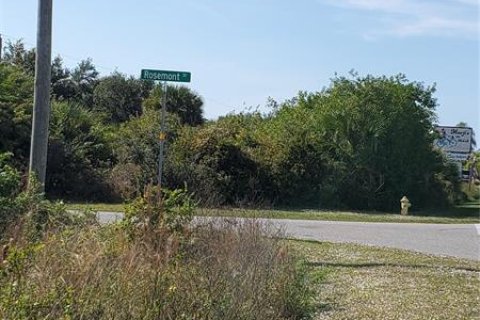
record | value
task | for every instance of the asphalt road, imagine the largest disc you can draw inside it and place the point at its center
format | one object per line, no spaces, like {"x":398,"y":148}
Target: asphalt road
{"x":455,"y":240}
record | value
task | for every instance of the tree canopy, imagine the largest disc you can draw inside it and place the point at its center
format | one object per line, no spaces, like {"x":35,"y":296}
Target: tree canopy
{"x":117,"y":97}
{"x":361,"y":143}
{"x":16,"y":101}
{"x":181,"y":101}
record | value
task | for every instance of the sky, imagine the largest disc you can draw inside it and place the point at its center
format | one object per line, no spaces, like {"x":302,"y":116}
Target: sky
{"x":240,"y":53}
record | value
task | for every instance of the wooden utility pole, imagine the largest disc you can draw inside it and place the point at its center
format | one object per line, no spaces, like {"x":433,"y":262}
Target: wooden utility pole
{"x":1,"y":46}
{"x":41,"y":100}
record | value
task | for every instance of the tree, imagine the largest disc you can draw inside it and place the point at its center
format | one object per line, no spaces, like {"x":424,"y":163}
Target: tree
{"x":218,"y":162}
{"x":136,"y":146}
{"x":371,"y":138}
{"x":79,"y":154}
{"x":182,"y":101}
{"x":63,"y":87}
{"x":76,"y":86}
{"x":16,"y":54}
{"x":119,"y":98}
{"x":291,"y":149}
{"x":83,"y":79}
{"x":16,"y":100}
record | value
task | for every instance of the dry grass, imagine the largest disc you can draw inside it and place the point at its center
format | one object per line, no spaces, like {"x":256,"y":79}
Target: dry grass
{"x":376,"y":283}
{"x":229,"y":270}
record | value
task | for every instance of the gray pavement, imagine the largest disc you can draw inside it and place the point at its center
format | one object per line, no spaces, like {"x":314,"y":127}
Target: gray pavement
{"x":455,"y":240}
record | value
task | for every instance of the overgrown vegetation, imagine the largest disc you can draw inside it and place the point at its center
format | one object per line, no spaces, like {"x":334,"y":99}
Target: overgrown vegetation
{"x":10,"y":206}
{"x":26,"y":214}
{"x":361,"y":143}
{"x":154,"y":264}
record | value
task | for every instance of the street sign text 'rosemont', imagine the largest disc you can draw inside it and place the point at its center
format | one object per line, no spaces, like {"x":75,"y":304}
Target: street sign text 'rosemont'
{"x":165,"y":75}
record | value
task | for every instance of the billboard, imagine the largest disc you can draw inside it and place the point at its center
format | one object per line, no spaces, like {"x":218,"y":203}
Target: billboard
{"x":454,"y":139}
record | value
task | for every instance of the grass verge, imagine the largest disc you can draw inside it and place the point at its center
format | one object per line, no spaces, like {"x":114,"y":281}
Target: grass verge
{"x":465,"y":214}
{"x":377,"y":283}
{"x":339,"y":216}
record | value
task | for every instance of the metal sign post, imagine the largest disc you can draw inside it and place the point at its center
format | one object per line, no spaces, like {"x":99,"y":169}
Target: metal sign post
{"x":162,"y":133}
{"x":164,"y":76}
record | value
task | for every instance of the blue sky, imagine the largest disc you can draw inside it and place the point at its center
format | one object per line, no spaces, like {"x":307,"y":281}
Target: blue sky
{"x":242,"y":52}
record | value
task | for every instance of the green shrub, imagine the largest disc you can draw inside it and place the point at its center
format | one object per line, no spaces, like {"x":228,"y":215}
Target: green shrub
{"x":127,"y":180}
{"x":219,"y":163}
{"x":9,"y":178}
{"x":136,"y":147}
{"x":79,"y":154}
{"x":16,"y":101}
{"x":9,"y":189}
{"x":28,"y":214}
{"x":470,"y":191}
{"x":362,"y":143}
{"x":40,"y":216}
{"x":159,"y":210}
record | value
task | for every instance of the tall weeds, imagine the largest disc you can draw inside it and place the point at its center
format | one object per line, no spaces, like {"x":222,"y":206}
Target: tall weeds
{"x":155,"y":265}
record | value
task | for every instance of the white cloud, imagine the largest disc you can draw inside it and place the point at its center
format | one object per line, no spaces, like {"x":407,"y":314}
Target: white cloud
{"x":454,"y":18}
{"x":470,"y":2}
{"x":374,"y":5}
{"x":437,"y":26}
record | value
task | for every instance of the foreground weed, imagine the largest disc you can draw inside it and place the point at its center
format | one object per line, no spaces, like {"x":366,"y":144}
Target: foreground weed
{"x":156,"y":265}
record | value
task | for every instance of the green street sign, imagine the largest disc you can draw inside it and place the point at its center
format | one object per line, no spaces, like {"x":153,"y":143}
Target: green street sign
{"x":165,"y":75}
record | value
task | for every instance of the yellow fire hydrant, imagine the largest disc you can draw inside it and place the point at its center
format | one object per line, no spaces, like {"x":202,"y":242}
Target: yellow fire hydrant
{"x":405,"y":204}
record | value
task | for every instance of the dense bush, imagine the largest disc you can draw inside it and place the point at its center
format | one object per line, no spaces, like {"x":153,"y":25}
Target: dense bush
{"x":372,"y":140}
{"x":26,"y":215}
{"x":80,"y":154}
{"x":362,"y":143}
{"x":16,"y":100}
{"x":219,"y":163}
{"x":10,"y":208}
{"x":136,"y":149}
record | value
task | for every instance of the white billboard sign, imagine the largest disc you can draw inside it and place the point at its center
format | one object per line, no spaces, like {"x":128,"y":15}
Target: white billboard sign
{"x":454,"y":139}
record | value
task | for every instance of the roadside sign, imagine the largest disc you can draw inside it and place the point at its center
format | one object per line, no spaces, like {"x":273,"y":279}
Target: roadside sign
{"x":165,"y":75}
{"x":454,"y":139}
